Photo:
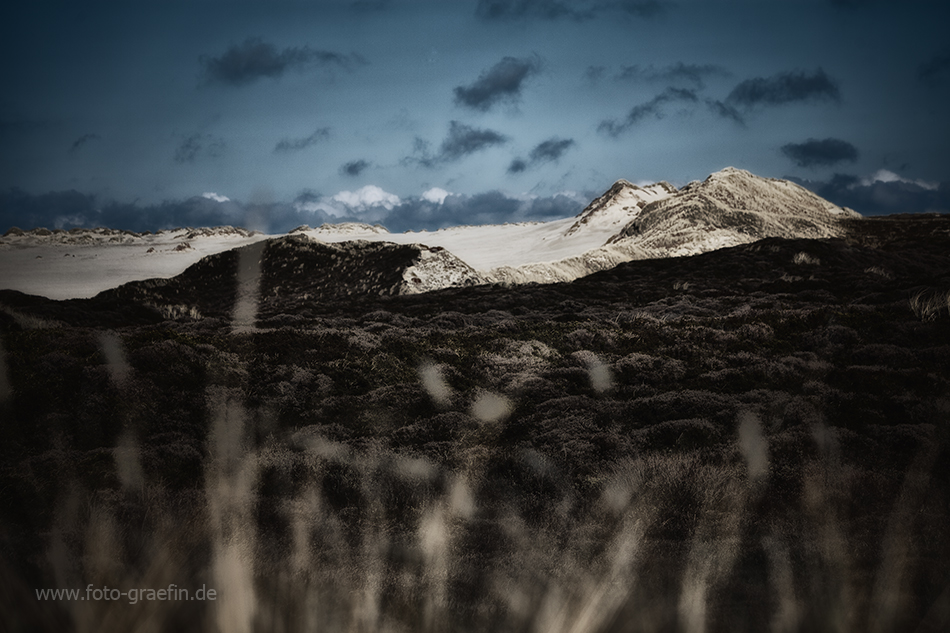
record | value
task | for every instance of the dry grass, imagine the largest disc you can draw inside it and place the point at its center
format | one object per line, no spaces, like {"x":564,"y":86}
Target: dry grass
{"x":928,"y":304}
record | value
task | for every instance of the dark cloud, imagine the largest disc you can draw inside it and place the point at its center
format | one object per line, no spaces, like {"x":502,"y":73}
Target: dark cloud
{"x":296,"y":144}
{"x":70,"y":209}
{"x":517,"y":166}
{"x":354,"y":167}
{"x":308,"y":195}
{"x":784,"y":88}
{"x":693,"y":73}
{"x":935,"y":68}
{"x":254,"y":59}
{"x":578,"y":10}
{"x":82,"y":140}
{"x":551,"y":149}
{"x":492,"y":207}
{"x":538,"y":9}
{"x":56,"y":209}
{"x":464,"y":140}
{"x":880,"y":197}
{"x":820,"y":153}
{"x":652,"y":108}
{"x":501,"y":82}
{"x":725,"y":111}
{"x":461,"y":141}
{"x":199,"y":146}
{"x":544,"y":152}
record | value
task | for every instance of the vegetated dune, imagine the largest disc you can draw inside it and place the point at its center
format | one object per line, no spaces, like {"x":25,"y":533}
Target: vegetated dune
{"x":295,"y":270}
{"x":729,"y":208}
{"x":747,"y":439}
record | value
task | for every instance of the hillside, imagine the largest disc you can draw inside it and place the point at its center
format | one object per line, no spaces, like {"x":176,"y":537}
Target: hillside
{"x":729,"y":208}
{"x":732,"y":207}
{"x":707,"y":430}
{"x":287,"y":273}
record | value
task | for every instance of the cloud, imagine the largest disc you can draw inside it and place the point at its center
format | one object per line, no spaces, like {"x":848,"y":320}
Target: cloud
{"x":354,"y":167}
{"x":436,"y":195}
{"x":517,"y":166}
{"x":820,"y":153}
{"x":81,"y":141}
{"x":367,"y":204}
{"x":544,"y":152}
{"x":882,"y":193}
{"x":725,"y":111}
{"x":434,"y":209}
{"x":297,"y":144}
{"x":501,"y":82}
{"x":199,"y":146}
{"x":885,"y":176}
{"x":693,"y":73}
{"x":551,"y":149}
{"x":461,"y":141}
{"x":49,"y":210}
{"x":210,"y":195}
{"x":538,"y":9}
{"x":492,"y":207}
{"x":935,"y":68}
{"x":652,"y":108}
{"x":577,"y":10}
{"x":69,"y":209}
{"x":368,"y":196}
{"x":464,"y":140}
{"x":254,"y":59}
{"x":437,"y":208}
{"x":784,"y":88}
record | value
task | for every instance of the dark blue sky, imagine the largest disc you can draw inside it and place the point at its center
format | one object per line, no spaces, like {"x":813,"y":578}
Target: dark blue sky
{"x":127,"y":113}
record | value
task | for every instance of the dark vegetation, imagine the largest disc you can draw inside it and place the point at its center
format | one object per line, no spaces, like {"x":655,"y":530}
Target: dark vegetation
{"x":749,"y":439}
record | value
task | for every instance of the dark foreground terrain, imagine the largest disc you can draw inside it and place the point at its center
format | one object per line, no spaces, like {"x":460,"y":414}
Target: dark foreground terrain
{"x":753,"y":439}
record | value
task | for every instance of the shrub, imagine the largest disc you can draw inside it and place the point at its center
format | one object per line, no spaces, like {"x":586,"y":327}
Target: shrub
{"x":804,"y":258}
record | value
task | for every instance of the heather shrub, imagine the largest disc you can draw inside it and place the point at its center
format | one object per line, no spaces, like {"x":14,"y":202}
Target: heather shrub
{"x":638,"y":367}
{"x":758,"y":333}
{"x":674,"y":405}
{"x":679,"y":435}
{"x":806,"y":259}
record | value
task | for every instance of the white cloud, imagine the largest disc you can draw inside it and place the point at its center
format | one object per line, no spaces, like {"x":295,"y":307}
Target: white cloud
{"x":368,"y":204}
{"x":884,"y":175}
{"x":210,"y":195}
{"x":436,"y":195}
{"x":368,"y":196}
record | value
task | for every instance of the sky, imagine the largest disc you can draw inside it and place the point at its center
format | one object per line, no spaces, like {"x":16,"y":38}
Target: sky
{"x":419,"y":115}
